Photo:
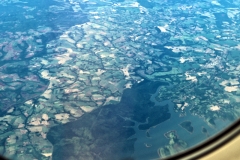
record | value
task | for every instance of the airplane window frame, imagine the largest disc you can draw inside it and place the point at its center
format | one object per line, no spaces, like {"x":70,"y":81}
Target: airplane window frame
{"x":210,"y":145}
{"x":206,"y":147}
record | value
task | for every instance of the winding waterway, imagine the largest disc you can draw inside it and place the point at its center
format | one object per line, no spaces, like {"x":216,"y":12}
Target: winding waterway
{"x":146,"y":147}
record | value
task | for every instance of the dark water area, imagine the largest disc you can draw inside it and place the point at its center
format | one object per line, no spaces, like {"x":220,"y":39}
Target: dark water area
{"x":106,"y":131}
{"x":156,"y":138}
{"x":126,"y":129}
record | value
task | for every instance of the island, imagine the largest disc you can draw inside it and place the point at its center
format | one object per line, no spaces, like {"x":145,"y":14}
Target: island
{"x":175,"y":145}
{"x":187,"y":125}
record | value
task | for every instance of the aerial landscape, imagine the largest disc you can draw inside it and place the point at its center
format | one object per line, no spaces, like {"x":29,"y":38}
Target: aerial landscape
{"x":114,"y":79}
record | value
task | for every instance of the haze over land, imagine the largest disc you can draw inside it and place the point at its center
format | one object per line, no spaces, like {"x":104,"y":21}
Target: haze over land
{"x":63,"y":61}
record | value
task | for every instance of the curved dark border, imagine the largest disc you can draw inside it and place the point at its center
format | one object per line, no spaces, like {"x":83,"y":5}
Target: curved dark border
{"x":213,"y":143}
{"x":3,"y":158}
